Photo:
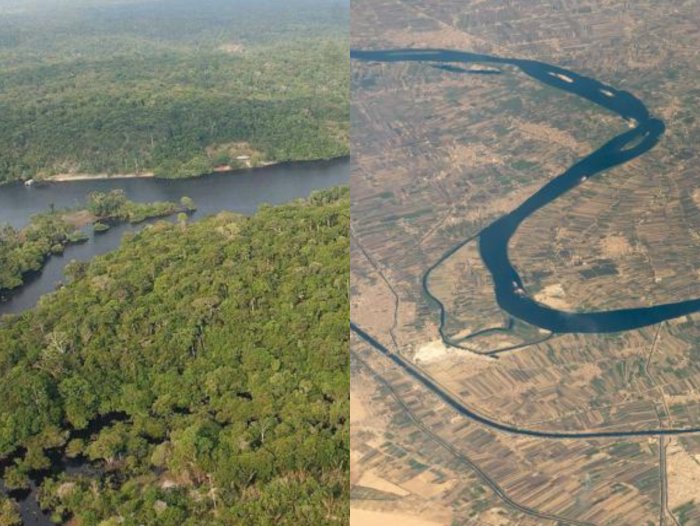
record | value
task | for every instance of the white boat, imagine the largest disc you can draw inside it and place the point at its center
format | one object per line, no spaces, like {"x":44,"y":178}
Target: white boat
{"x":519,"y":291}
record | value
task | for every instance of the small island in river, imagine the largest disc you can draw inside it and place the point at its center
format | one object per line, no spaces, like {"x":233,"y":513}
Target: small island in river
{"x":25,"y":251}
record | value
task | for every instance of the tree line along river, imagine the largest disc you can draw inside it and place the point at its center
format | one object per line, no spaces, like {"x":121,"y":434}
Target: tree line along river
{"x":243,"y":192}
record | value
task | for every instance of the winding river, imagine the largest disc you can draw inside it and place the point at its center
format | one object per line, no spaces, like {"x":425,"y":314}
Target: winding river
{"x":493,"y":240}
{"x":241,"y":191}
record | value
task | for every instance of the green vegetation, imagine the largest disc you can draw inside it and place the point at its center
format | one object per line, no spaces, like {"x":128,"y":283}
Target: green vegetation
{"x":171,"y":87}
{"x":114,"y":207}
{"x":9,"y":515}
{"x":683,"y":512}
{"x":26,"y":250}
{"x":202,"y":367}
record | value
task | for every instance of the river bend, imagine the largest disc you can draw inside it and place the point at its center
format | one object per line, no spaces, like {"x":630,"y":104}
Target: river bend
{"x":493,"y":240}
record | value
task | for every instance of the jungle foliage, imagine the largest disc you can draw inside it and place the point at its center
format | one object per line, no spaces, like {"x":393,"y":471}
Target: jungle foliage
{"x":27,"y":250}
{"x":172,"y":87}
{"x":202,"y":368}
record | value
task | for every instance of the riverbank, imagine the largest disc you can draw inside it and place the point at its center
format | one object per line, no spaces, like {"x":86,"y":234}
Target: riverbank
{"x":70,"y":177}
{"x":73,"y":177}
{"x":493,"y":240}
{"x":48,"y":234}
{"x":212,"y":194}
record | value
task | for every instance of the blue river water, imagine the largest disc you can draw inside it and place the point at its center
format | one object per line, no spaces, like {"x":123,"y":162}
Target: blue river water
{"x":493,"y":240}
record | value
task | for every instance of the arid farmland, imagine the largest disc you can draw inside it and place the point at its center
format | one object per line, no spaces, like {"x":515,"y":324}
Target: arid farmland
{"x":438,"y":156}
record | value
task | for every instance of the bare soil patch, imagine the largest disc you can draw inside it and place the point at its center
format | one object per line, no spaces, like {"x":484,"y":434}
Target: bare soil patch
{"x":360,"y":517}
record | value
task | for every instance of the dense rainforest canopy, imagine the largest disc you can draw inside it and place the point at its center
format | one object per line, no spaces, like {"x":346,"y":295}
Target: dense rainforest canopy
{"x":24,"y":251}
{"x":171,"y":87}
{"x":203,"y":367}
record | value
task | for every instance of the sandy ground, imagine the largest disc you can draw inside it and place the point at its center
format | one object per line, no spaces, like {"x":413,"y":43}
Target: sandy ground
{"x":616,"y":246}
{"x":368,"y":426}
{"x":66,"y":177}
{"x":373,"y":307}
{"x":495,"y":517}
{"x":357,"y":411}
{"x":360,"y":517}
{"x":61,"y":178}
{"x":370,"y":479}
{"x":437,"y":351}
{"x":424,"y":485}
{"x":434,"y":352}
{"x":553,"y":295}
{"x":79,"y":219}
{"x":365,"y":424}
{"x":683,"y":472}
{"x":355,"y":469}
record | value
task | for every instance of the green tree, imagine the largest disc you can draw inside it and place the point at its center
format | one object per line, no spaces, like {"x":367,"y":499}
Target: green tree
{"x":187,"y":203}
{"x":80,"y":402}
{"x":205,"y":369}
{"x":9,"y":512}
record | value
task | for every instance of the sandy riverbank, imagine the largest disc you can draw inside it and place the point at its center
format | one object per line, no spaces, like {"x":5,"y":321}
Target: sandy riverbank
{"x":62,"y":178}
{"x":69,"y":177}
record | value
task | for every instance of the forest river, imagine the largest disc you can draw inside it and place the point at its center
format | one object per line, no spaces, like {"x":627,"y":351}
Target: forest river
{"x":242,"y":191}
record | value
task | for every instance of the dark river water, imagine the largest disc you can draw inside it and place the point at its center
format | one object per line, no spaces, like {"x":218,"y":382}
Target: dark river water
{"x":493,"y":240}
{"x":241,"y":191}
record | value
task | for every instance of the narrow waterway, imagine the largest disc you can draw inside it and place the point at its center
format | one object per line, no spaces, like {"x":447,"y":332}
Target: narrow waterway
{"x":242,"y":191}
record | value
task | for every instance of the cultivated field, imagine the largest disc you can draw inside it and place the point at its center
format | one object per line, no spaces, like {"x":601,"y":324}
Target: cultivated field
{"x":437,"y":157}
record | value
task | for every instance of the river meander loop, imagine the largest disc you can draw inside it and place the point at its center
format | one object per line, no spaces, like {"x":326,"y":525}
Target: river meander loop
{"x":493,"y":240}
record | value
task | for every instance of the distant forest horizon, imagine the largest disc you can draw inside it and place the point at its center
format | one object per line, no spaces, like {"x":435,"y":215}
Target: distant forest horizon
{"x":170,"y":87}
